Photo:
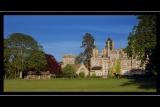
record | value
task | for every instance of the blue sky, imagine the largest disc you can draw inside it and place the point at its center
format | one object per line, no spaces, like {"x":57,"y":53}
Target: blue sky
{"x":62,"y":34}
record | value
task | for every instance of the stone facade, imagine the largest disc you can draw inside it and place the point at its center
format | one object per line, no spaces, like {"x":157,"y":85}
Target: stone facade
{"x":99,"y":66}
{"x":101,"y":62}
{"x":33,"y":75}
{"x":80,"y":68}
{"x":107,"y":58}
{"x":68,"y":59}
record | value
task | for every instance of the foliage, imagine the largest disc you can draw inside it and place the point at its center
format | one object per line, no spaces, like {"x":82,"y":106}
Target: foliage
{"x":82,"y":74}
{"x":79,"y":59}
{"x":68,"y":71}
{"x":94,"y":76}
{"x":115,"y":69}
{"x":88,"y":45}
{"x":18,"y":49}
{"x":129,"y":49}
{"x":142,"y":41}
{"x":118,"y":66}
{"x":110,"y":72}
{"x":53,"y":76}
{"x":37,"y":61}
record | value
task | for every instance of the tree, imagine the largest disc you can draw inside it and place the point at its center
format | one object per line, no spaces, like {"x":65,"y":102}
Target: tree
{"x":111,"y":71}
{"x":88,"y":45}
{"x":6,"y":58}
{"x":118,"y":66}
{"x":68,"y":71}
{"x":142,"y":41}
{"x":115,"y":69}
{"x":79,"y":59}
{"x":11,"y":59}
{"x":81,"y":74}
{"x":37,"y":61}
{"x":129,"y":49}
{"x":17,"y":50}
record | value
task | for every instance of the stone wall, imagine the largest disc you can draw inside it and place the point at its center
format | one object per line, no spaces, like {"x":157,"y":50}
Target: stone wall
{"x":68,"y":59}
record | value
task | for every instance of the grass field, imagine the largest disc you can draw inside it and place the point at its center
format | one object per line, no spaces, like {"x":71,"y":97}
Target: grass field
{"x":79,"y":85}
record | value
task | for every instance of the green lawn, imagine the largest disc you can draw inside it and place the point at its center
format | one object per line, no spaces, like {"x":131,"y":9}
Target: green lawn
{"x":79,"y":85}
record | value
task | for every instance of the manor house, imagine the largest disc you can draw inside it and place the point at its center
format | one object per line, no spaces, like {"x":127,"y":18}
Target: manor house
{"x":102,"y":62}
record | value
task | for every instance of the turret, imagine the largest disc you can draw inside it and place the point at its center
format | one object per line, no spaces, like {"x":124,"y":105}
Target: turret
{"x":109,"y":46}
{"x":112,"y":48}
{"x":104,"y":52}
{"x":95,"y":52}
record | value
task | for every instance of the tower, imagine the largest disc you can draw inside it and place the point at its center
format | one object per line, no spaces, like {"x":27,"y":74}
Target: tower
{"x":95,"y":52}
{"x":104,"y":52}
{"x":112,"y":48}
{"x":109,"y":46}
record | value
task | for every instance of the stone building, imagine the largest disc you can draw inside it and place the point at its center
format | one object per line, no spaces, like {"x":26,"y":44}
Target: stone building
{"x":53,"y":68}
{"x":102,"y":61}
{"x":68,"y":59}
{"x":99,"y":63}
{"x":80,"y":68}
{"x":34,"y":75}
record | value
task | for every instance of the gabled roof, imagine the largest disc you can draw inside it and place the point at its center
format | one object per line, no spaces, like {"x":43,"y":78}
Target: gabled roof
{"x":77,"y":66}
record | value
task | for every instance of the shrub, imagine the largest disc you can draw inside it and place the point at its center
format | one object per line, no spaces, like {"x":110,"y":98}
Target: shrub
{"x":53,"y":76}
{"x":69,"y":72}
{"x":94,"y":76}
{"x":81,"y":74}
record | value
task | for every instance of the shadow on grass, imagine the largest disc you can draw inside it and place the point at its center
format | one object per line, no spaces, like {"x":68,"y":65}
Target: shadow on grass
{"x":143,"y":82}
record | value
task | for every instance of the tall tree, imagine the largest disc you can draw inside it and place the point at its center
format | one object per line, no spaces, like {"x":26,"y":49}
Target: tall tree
{"x":37,"y":61}
{"x":17,"y":50}
{"x":6,"y":57}
{"x":79,"y":59}
{"x":129,"y":49}
{"x":88,"y":45}
{"x":142,"y":41}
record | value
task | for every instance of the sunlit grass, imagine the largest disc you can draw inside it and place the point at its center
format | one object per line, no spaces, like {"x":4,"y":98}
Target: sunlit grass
{"x":74,"y":85}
